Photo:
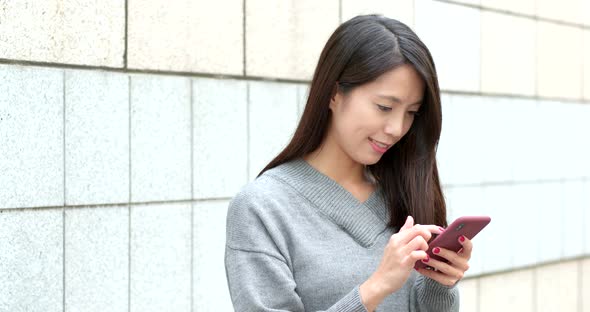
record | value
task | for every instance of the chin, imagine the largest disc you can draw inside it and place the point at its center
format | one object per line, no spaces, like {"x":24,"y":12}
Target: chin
{"x":368,"y":160}
{"x":373,"y":162}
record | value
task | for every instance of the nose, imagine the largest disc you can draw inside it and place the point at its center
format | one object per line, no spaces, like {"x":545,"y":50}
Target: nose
{"x":395,"y":125}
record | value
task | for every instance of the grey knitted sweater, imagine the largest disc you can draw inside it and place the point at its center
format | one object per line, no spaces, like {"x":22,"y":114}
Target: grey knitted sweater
{"x":298,"y":241}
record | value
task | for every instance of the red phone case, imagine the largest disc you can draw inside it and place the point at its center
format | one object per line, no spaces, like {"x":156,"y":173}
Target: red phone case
{"x":449,"y":239}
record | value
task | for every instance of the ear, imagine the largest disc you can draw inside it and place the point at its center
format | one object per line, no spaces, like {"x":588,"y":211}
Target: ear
{"x":336,"y":97}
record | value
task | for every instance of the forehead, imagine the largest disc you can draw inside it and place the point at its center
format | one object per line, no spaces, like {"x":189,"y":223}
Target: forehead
{"x":403,"y":82}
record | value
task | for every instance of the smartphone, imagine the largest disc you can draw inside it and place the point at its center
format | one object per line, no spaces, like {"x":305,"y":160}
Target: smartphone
{"x":468,"y":226}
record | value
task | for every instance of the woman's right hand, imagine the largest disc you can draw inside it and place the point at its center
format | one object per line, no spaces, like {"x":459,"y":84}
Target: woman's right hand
{"x":401,"y":252}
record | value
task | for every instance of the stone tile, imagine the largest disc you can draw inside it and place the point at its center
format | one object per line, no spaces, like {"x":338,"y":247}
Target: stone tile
{"x":469,"y":201}
{"x":470,"y":2}
{"x":511,"y":291}
{"x":566,"y":11}
{"x":549,"y":140}
{"x":527,"y":164}
{"x":210,"y":290}
{"x":97,"y":259}
{"x":206,"y":36}
{"x":561,"y":79}
{"x":220,"y":147}
{"x":97,"y":137}
{"x":496,"y":243}
{"x":526,"y":7}
{"x":31,"y":261}
{"x":64,"y":32}
{"x":517,"y":136}
{"x":273,"y":117}
{"x":457,"y":57}
{"x":401,"y":10}
{"x":284,"y":39}
{"x":445,"y":153}
{"x":469,"y":150}
{"x":585,"y":276}
{"x":524,"y":221}
{"x":573,"y":193}
{"x":31,"y":132}
{"x":549,"y":210}
{"x":583,"y":114}
{"x":557,"y":287}
{"x":574,"y":129}
{"x":469,"y":294}
{"x":160,"y":138}
{"x":586,"y":60}
{"x":465,"y":200}
{"x":161,"y":257}
{"x":507,"y":70}
{"x":586,"y":216}
{"x":302,"y":95}
{"x":496,"y":130}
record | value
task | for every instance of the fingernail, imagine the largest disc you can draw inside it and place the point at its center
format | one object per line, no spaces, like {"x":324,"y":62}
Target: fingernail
{"x":426,"y":260}
{"x":441,"y":229}
{"x":436,"y":250}
{"x":461,"y":238}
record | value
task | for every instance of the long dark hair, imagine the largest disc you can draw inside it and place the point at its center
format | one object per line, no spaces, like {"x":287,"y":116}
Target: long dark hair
{"x":358,"y":52}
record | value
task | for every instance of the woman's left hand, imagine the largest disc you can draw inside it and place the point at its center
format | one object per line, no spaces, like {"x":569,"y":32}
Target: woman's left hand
{"x":449,"y":273}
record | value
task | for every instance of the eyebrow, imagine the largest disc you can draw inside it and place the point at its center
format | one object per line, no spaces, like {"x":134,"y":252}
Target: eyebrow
{"x":396,"y":100}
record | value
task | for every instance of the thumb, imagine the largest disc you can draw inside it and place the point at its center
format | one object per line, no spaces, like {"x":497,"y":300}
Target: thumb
{"x":409,"y":223}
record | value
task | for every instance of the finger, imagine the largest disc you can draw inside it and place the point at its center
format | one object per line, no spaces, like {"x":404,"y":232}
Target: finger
{"x":467,"y":247}
{"x":414,"y":256}
{"x":409,"y":223}
{"x":438,"y":276}
{"x":407,"y":235}
{"x":425,"y":230}
{"x":418,"y":243}
{"x":445,"y":268}
{"x":433,"y":229}
{"x":454,"y":258}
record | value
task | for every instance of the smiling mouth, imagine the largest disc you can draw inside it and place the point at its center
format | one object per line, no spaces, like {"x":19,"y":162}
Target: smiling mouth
{"x":379,"y":144}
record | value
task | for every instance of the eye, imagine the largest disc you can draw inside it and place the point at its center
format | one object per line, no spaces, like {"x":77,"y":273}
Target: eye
{"x":414,"y":113}
{"x":383,"y":108}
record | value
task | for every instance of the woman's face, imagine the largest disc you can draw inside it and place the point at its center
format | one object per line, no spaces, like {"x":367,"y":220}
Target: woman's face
{"x":371,"y":118}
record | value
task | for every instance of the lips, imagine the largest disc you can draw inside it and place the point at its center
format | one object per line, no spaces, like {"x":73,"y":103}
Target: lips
{"x":380,"y":144}
{"x":378,"y":147}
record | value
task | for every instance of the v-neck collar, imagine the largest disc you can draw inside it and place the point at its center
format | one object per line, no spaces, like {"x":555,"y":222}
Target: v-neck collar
{"x":364,"y":221}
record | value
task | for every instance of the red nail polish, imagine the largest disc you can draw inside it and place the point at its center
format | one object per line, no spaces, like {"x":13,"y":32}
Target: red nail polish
{"x":461,"y":238}
{"x":436,"y":250}
{"x":426,"y":260}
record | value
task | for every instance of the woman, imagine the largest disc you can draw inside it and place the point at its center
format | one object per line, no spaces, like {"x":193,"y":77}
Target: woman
{"x":329,"y":223}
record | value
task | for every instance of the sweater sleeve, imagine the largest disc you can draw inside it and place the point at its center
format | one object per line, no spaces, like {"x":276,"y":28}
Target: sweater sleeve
{"x":261,"y":282}
{"x":258,"y":274}
{"x":429,"y":295}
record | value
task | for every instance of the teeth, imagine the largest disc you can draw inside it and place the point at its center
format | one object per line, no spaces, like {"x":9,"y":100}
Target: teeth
{"x":379,"y":144}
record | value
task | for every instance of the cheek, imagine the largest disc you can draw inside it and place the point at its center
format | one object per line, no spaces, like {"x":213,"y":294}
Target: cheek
{"x":365,"y":127}
{"x":352,"y":130}
{"x":357,"y":123}
{"x":358,"y":120}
